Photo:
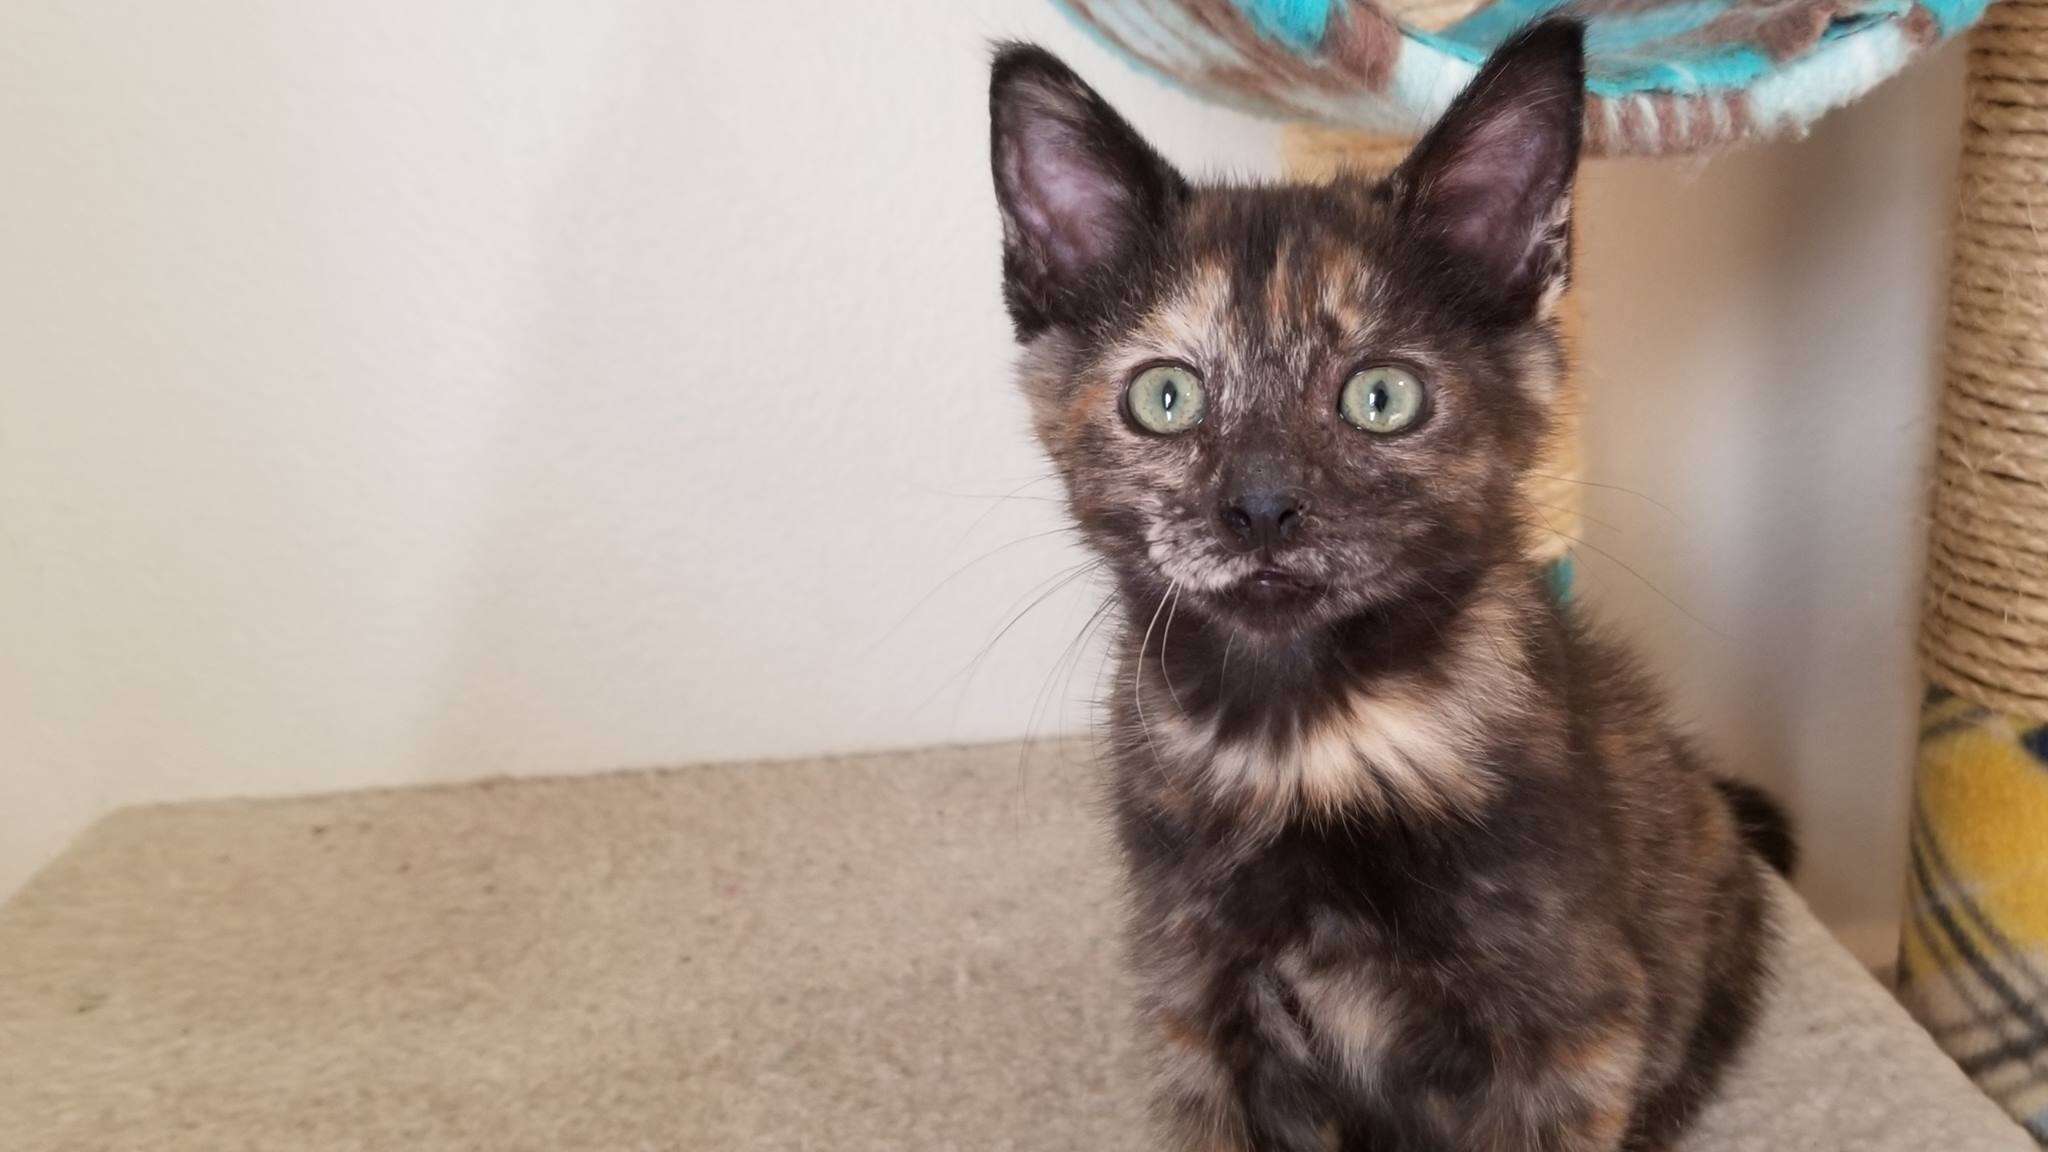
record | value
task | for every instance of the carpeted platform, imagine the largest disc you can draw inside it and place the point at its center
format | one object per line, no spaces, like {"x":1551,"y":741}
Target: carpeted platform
{"x":913,"y":951}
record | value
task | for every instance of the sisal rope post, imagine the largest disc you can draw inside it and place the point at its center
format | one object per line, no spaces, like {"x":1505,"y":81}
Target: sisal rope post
{"x":1553,"y":490}
{"x":1985,"y":632}
{"x":1974,"y":950}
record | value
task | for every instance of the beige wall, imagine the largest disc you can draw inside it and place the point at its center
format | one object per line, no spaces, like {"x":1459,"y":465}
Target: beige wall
{"x":398,"y":392}
{"x":1762,"y":359}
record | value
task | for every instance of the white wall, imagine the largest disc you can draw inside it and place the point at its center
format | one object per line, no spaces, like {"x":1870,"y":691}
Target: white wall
{"x":394,"y":392}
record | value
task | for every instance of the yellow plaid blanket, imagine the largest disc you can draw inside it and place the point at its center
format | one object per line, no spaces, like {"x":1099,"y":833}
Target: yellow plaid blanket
{"x":1973,"y":961}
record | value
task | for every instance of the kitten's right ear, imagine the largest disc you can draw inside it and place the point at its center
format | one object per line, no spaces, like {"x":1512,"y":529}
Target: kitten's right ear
{"x":1078,"y":188}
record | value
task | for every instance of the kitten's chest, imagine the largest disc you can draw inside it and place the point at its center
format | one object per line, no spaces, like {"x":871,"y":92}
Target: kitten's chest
{"x":1326,"y":948}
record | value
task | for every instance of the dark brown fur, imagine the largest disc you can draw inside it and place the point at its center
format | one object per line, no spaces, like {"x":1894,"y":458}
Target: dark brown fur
{"x":1415,"y":863}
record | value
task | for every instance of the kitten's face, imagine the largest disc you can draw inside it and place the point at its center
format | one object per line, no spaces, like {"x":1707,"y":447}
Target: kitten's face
{"x":1285,"y":504}
{"x":1290,"y":404}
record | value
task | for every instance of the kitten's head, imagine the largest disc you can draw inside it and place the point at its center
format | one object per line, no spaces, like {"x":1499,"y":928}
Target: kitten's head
{"x":1293,"y":403}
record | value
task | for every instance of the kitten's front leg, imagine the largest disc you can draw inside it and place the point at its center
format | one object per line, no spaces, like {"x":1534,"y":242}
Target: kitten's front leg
{"x":1195,"y":1097}
{"x":1234,"y":1089}
{"x":1575,"y":1092}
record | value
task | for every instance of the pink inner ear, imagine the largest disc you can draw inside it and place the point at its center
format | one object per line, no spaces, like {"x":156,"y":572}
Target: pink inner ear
{"x":1484,"y":193}
{"x":1072,"y":205}
{"x":1492,"y":189}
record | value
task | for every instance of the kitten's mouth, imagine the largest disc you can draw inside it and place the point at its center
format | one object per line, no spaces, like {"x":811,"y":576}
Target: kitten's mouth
{"x":1273,"y":593}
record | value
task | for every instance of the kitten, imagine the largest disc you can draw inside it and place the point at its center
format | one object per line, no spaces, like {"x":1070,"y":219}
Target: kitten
{"x":1414,"y":862}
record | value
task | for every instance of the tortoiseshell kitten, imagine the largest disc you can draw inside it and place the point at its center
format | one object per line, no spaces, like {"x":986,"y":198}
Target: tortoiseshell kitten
{"x":1414,"y":862}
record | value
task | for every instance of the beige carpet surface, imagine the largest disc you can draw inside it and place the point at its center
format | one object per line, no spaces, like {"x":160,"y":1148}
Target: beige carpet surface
{"x":915,"y":951}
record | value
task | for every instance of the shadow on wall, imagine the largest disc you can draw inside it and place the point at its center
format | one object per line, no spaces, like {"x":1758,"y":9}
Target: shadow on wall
{"x":1762,"y":335}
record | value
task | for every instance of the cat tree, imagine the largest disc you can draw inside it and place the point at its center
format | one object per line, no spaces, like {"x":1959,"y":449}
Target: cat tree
{"x":1359,"y":79}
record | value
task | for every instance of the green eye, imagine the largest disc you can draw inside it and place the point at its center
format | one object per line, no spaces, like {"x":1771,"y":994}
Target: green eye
{"x":1381,"y":400}
{"x":1166,"y":399}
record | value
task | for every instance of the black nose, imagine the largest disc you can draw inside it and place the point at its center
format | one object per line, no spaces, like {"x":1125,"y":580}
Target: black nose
{"x":1262,"y":519}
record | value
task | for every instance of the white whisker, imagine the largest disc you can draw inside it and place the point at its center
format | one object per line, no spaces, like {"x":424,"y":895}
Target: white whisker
{"x":1138,"y":675}
{"x":1166,"y":638}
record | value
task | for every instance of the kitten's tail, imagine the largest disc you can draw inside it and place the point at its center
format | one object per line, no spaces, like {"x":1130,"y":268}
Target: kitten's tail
{"x":1764,"y":825}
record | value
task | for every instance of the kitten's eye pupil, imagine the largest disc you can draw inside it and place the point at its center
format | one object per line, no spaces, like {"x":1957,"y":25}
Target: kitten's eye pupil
{"x":1381,"y":400}
{"x":1165,"y":399}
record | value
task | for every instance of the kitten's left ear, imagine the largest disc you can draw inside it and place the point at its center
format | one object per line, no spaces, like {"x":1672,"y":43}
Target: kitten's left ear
{"x":1078,"y":188}
{"x":1492,"y":182}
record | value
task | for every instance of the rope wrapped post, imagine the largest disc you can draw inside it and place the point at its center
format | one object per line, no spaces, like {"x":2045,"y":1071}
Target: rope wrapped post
{"x":1973,"y":959}
{"x":1553,"y":490}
